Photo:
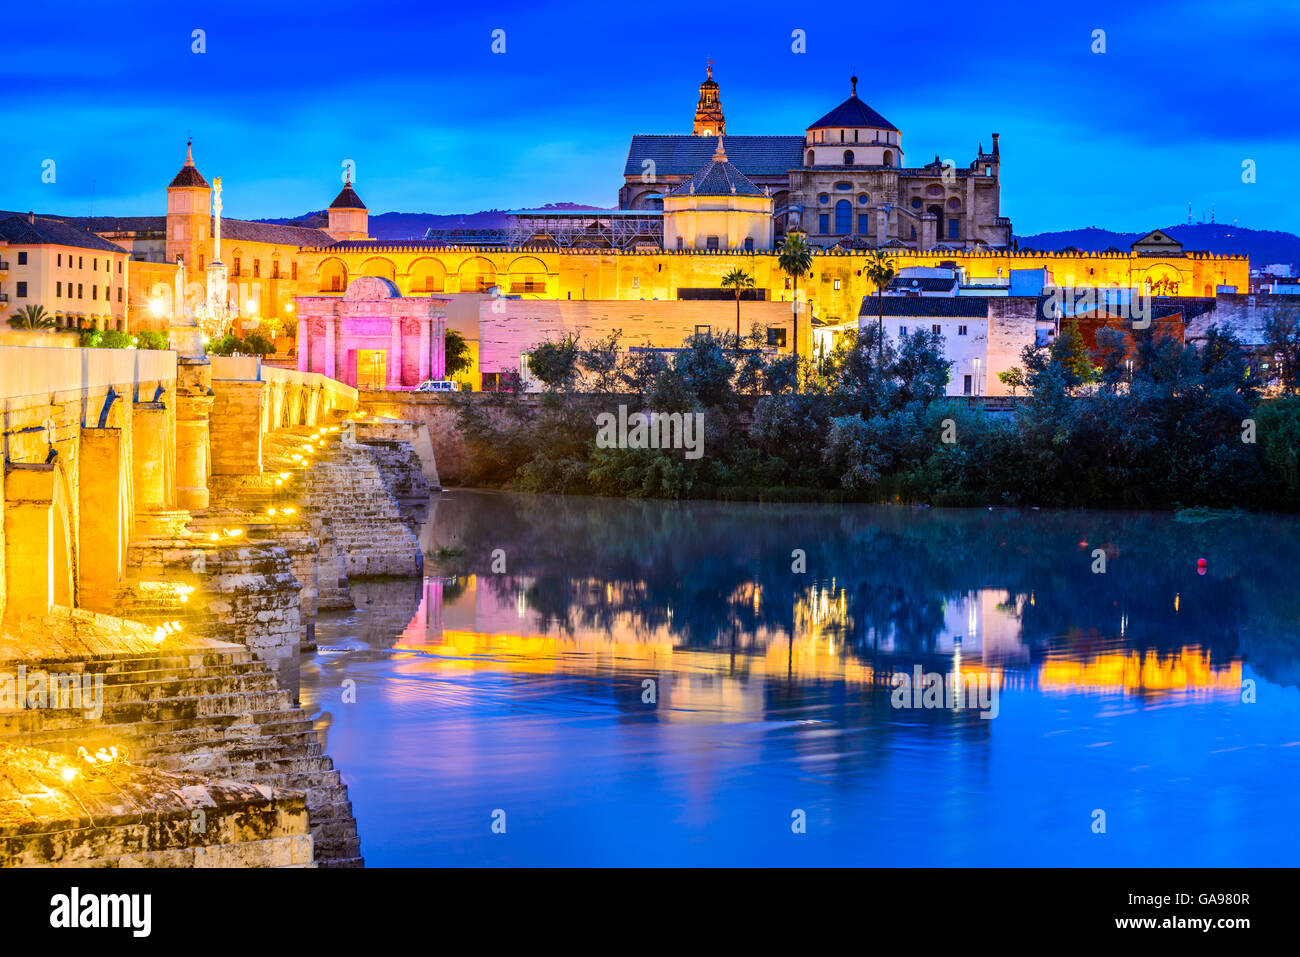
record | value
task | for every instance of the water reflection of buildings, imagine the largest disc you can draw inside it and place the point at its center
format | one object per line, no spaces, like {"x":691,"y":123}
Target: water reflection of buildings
{"x":489,"y":623}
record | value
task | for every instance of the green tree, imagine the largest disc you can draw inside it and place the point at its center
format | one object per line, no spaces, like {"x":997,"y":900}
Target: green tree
{"x":880,"y":269}
{"x":1282,"y":342}
{"x":149,"y":339}
{"x":795,"y":259}
{"x":738,"y":280}
{"x":456,"y":353}
{"x":1013,"y":378}
{"x":555,"y":364}
{"x":32,"y":317}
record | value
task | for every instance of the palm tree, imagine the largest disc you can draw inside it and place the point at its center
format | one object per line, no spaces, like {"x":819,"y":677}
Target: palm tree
{"x":795,"y":259}
{"x":738,"y":280}
{"x":880,"y":270}
{"x":32,"y":317}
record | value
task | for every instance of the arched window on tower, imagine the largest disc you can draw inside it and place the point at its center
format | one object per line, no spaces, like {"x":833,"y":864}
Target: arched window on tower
{"x":889,"y":157}
{"x":843,"y":217}
{"x":810,"y":157}
{"x":848,"y":157}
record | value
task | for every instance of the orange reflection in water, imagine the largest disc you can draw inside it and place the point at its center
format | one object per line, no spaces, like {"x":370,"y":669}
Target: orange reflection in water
{"x":1189,"y":669}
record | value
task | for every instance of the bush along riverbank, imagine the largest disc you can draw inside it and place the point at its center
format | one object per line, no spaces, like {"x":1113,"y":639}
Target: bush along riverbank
{"x":1143,"y":421}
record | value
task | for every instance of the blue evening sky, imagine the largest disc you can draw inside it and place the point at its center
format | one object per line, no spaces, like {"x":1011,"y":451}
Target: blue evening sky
{"x":438,"y":123}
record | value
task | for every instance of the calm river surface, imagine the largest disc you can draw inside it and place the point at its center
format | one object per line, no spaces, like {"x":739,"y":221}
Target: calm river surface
{"x":647,"y":683}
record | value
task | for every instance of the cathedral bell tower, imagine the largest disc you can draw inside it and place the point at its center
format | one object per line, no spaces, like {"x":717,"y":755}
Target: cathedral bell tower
{"x":709,"y":120}
{"x":189,"y":198}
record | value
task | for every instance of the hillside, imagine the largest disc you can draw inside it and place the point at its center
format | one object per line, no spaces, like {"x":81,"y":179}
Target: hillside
{"x":1264,"y":247}
{"x":414,"y":225}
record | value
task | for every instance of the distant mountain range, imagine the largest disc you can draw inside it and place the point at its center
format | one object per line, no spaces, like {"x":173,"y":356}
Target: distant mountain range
{"x":414,"y":225}
{"x":1264,"y":247}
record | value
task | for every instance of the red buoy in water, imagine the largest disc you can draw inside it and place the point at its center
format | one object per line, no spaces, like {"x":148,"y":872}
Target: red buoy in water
{"x":1201,"y":565}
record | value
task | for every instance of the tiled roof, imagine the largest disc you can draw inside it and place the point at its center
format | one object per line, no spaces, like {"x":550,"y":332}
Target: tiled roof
{"x":975,"y":307}
{"x":21,"y":231}
{"x":923,"y":283}
{"x":189,"y":176}
{"x":684,"y":155}
{"x":853,"y":112}
{"x":242,"y":229}
{"x":719,"y":178}
{"x":119,"y":224}
{"x":347,"y":199}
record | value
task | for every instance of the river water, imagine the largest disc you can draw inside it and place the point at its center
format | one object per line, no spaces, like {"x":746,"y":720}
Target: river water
{"x":611,"y":682}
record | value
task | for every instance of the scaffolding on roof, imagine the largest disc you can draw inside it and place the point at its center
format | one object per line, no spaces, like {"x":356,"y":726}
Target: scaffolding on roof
{"x":622,"y":229}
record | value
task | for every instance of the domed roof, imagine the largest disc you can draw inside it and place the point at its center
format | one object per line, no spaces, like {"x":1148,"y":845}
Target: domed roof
{"x":371,"y":287}
{"x":853,"y":112}
{"x":719,"y":178}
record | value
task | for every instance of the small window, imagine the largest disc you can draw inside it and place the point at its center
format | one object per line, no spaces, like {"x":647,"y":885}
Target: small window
{"x":21,"y":290}
{"x":58,"y":289}
{"x":236,"y":269}
{"x":201,"y":260}
{"x":119,"y":293}
{"x":776,"y":337}
{"x":824,"y":197}
{"x":79,"y":296}
{"x":293,"y":270}
{"x":902,"y":331}
{"x":703,"y":331}
{"x":864,"y":223}
{"x":60,"y":259}
{"x":961,"y":330}
{"x":848,"y":157}
{"x":935,"y":328}
{"x":810,"y":157}
{"x":710,"y":242}
{"x":916,"y":202}
{"x":275,"y":269}
{"x":953,"y":227}
{"x":257,"y":268}
{"x":824,"y":223}
{"x":22,"y":259}
{"x":119,"y":266}
{"x":864,"y":199}
{"x":749,"y":244}
{"x":94,"y":265}
{"x":80,"y":264}
{"x":836,"y":285}
{"x":988,"y":170}
{"x":94,"y":292}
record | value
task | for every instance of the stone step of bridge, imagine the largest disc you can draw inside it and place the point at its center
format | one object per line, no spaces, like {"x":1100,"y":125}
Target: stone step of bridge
{"x":219,"y":714}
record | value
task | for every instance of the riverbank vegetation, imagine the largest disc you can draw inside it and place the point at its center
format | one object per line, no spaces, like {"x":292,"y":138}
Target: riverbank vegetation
{"x":1142,"y":421}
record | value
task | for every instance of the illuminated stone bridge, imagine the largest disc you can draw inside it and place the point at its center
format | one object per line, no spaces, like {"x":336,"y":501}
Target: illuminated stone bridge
{"x":171,"y":526}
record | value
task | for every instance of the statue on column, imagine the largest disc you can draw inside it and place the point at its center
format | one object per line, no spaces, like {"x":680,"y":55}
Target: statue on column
{"x":214,"y":314}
